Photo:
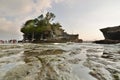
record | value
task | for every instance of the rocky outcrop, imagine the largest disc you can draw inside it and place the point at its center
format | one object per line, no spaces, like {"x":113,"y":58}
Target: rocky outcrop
{"x":42,"y":30}
{"x":107,"y":41}
{"x":112,"y":33}
{"x":68,"y":61}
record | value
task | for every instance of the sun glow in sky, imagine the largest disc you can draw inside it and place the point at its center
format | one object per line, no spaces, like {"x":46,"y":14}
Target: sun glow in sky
{"x":83,"y":17}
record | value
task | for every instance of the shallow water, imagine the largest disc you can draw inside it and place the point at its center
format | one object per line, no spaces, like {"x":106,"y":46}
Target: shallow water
{"x":60,"y":61}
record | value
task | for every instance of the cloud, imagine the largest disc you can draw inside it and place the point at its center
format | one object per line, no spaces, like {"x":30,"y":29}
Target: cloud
{"x":7,"y":26}
{"x":15,"y":7}
{"x":24,"y":7}
{"x":13,"y":13}
{"x":21,"y":7}
{"x":9,"y":30}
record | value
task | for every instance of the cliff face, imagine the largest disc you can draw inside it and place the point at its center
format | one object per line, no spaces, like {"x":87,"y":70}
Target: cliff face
{"x":112,"y":33}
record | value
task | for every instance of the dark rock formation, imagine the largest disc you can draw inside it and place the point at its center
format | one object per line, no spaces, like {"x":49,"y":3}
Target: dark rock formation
{"x":107,"y":41}
{"x":112,"y":33}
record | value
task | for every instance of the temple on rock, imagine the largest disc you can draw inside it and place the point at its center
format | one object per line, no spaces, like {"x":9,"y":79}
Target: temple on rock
{"x":42,"y":29}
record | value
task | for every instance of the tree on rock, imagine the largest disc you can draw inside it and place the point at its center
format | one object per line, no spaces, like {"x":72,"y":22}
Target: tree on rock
{"x":40,"y":28}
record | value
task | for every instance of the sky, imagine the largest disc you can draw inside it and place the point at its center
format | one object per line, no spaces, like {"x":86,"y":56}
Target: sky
{"x":83,"y":17}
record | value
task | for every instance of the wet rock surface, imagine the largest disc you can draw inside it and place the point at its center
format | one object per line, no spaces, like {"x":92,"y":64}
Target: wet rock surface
{"x":107,"y":41}
{"x":60,"y":61}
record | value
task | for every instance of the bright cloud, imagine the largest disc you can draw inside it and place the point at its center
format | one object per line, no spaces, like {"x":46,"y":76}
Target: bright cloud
{"x":24,"y":7}
{"x":14,"y":12}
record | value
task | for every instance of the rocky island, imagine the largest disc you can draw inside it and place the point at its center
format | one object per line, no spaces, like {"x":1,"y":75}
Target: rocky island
{"x":111,"y":34}
{"x":43,"y":29}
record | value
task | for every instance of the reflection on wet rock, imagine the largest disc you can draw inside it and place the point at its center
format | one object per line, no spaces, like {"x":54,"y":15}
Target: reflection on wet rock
{"x":63,"y":61}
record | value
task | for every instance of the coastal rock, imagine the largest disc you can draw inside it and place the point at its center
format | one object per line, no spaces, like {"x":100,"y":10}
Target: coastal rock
{"x":60,"y":61}
{"x":47,"y":64}
{"x":40,"y":31}
{"x":111,"y":34}
{"x":17,"y":73}
{"x":107,"y":41}
{"x":44,"y":52}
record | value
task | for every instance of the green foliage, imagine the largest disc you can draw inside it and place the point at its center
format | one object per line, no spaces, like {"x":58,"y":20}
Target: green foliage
{"x":28,"y":27}
{"x":36,"y":28}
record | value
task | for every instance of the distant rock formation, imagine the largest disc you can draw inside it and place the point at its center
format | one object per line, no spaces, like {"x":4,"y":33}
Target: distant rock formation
{"x":41,"y":29}
{"x":107,"y":41}
{"x":111,"y":34}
